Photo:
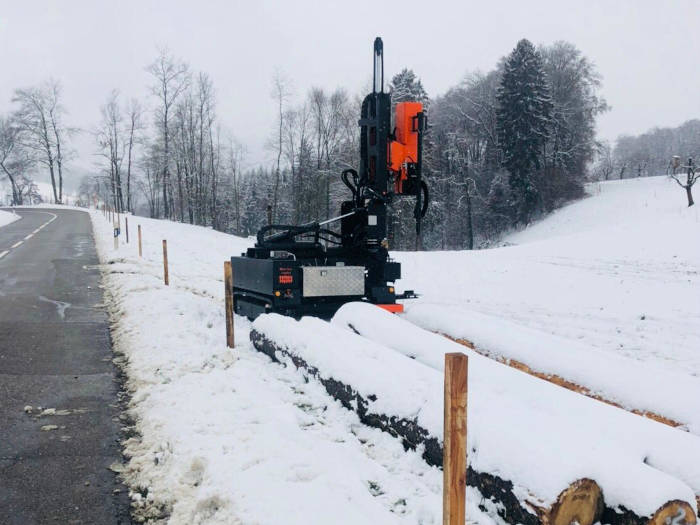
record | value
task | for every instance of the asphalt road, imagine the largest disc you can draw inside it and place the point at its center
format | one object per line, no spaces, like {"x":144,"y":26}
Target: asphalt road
{"x":55,"y":353}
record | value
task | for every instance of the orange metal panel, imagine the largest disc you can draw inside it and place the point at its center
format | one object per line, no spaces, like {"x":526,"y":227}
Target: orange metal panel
{"x":393,"y":308}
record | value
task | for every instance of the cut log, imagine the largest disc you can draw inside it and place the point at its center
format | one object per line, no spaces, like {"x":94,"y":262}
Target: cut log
{"x":582,"y":503}
{"x":523,"y":471}
{"x":674,"y":513}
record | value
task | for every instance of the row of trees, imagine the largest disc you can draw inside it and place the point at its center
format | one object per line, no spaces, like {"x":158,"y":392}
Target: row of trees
{"x":511,"y":144}
{"x":503,"y":147}
{"x":178,"y":166}
{"x":34,"y":136}
{"x":649,"y":153}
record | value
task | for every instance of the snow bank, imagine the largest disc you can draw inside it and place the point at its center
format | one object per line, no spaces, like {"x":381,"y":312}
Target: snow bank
{"x":6,"y":217}
{"x":527,"y":430}
{"x":630,"y":383}
{"x":227,"y":436}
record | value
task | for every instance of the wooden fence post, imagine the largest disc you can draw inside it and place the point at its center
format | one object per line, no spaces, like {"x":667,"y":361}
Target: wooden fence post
{"x":454,"y":463}
{"x":165,"y":263}
{"x":228,"y":294}
{"x":140,"y":251}
{"x":126,"y":227}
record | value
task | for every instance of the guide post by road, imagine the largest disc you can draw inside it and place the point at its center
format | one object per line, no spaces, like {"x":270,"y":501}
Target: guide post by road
{"x":165,"y":263}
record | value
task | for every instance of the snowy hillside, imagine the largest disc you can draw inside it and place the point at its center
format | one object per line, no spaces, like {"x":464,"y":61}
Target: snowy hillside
{"x":619,"y":271}
{"x":603,"y":293}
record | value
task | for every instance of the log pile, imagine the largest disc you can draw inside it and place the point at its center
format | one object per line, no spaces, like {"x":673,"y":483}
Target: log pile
{"x":581,"y":501}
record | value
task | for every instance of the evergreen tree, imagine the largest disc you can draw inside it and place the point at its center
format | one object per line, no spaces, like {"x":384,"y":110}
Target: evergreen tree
{"x":523,"y":120}
{"x":407,"y":87}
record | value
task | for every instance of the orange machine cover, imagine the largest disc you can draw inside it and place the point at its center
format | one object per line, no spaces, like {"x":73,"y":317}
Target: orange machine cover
{"x":405,"y":148}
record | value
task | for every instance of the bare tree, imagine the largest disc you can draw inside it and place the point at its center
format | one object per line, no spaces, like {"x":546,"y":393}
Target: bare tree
{"x":111,"y":143}
{"x":27,"y":190}
{"x":171,"y":80}
{"x":135,"y":115}
{"x":281,"y":92}
{"x":15,"y":159}
{"x":604,"y":165}
{"x":690,"y":179}
{"x":236,"y":152}
{"x":40,"y":117}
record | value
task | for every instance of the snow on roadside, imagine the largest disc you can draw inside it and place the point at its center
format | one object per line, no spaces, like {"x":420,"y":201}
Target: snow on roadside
{"x":228,"y":436}
{"x":7,"y":217}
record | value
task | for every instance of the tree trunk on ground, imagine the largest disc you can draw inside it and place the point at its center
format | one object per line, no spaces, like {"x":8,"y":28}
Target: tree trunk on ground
{"x":689,"y":192}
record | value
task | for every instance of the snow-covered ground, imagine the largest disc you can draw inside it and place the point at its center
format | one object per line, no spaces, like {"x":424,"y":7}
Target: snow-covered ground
{"x":229,"y":437}
{"x":6,"y":217}
{"x":617,"y":273}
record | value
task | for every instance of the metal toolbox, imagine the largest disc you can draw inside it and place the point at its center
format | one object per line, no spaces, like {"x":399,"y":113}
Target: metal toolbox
{"x":321,"y":281}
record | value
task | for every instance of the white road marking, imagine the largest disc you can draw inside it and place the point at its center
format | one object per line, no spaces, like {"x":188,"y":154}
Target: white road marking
{"x":15,"y":245}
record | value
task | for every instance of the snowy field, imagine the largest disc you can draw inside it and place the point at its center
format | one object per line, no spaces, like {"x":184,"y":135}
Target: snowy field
{"x":229,"y":437}
{"x":609,"y":282}
{"x":6,"y":217}
{"x":619,"y":270}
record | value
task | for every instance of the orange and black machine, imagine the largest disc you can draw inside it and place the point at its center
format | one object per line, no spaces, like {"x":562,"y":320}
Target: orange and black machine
{"x":314,"y":268}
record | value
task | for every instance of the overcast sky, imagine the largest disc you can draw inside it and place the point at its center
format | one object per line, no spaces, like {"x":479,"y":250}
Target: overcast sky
{"x":646,"y":51}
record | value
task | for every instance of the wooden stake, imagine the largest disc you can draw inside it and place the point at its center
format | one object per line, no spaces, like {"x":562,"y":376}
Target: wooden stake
{"x":228,"y":293}
{"x":126,"y":227}
{"x":454,"y":463}
{"x":140,"y":251}
{"x":165,"y":262}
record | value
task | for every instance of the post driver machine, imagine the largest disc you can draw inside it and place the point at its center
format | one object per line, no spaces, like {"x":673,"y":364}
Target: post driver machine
{"x":310,"y":269}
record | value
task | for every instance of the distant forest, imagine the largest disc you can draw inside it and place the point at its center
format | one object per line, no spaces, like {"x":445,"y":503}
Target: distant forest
{"x":503,"y":148}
